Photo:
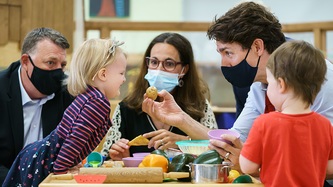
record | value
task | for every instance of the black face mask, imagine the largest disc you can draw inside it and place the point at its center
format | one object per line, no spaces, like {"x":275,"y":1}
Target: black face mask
{"x":242,"y":75}
{"x":47,"y":82}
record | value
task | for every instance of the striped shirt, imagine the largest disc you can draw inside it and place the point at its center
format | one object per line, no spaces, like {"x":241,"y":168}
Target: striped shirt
{"x":83,"y":126}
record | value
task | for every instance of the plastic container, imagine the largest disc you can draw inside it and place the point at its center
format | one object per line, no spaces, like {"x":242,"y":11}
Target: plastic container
{"x":94,"y":159}
{"x":195,"y":147}
{"x":132,"y":161}
{"x":141,"y":154}
{"x":216,"y":134}
{"x":90,"y":179}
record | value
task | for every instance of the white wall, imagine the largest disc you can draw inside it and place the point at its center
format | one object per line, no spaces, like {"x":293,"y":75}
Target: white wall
{"x":287,"y":11}
{"x":143,"y":10}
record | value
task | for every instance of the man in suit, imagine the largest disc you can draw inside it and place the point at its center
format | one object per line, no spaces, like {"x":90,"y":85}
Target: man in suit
{"x":32,"y":96}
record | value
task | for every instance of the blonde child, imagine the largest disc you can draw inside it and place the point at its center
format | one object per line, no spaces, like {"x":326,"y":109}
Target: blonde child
{"x":292,"y":146}
{"x":96,"y":73}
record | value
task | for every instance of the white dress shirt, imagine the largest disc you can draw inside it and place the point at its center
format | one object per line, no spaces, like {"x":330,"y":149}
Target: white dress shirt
{"x":255,"y":104}
{"x":32,"y":112}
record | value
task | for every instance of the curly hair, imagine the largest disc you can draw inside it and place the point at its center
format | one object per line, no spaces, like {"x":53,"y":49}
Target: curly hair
{"x":246,"y":22}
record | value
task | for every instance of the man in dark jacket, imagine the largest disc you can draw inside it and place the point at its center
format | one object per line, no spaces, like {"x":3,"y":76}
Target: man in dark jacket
{"x":32,"y":96}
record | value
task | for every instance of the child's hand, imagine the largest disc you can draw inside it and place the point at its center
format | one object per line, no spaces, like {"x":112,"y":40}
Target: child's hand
{"x":75,"y":169}
{"x":119,"y":150}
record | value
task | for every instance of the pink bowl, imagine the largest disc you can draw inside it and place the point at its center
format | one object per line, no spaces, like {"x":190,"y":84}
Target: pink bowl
{"x":132,"y":161}
{"x":216,"y":134}
{"x":143,"y":154}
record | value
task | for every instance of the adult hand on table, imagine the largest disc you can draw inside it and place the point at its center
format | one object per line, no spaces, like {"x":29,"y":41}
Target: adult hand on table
{"x":227,"y":151}
{"x":119,"y":150}
{"x":163,"y":139}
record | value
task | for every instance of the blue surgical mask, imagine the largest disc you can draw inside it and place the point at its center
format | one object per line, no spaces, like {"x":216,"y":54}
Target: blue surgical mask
{"x":162,"y":80}
{"x":241,"y":75}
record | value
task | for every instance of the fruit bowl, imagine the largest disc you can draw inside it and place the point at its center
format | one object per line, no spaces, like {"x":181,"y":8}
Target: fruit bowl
{"x":195,"y":147}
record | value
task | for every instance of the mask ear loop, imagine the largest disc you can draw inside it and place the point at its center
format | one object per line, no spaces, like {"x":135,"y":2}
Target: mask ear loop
{"x":180,"y":80}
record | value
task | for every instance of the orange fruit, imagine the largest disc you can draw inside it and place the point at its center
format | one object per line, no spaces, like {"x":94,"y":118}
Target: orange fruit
{"x":154,"y":160}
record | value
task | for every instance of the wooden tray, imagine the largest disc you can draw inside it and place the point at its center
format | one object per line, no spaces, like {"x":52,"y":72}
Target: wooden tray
{"x":50,"y":182}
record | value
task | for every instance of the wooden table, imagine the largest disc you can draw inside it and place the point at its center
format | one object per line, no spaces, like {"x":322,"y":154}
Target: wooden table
{"x":49,"y":182}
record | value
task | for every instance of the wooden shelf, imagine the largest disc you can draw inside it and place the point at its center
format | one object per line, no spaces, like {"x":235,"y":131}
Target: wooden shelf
{"x":319,"y":29}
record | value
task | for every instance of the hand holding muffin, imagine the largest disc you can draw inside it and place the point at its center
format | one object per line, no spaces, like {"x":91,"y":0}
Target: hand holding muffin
{"x":152,"y":92}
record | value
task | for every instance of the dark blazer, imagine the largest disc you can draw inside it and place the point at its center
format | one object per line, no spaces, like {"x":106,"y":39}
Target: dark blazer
{"x":11,"y":114}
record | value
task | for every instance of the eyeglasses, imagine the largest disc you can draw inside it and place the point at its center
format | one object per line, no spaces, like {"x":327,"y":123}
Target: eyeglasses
{"x":168,"y":65}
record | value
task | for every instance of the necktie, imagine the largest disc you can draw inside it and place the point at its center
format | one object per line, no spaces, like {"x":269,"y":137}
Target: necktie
{"x":269,"y":107}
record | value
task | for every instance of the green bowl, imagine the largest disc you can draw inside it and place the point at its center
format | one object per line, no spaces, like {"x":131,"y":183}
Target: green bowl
{"x":195,"y":147}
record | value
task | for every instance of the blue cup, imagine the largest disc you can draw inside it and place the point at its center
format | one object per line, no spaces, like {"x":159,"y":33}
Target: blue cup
{"x":95,"y":159}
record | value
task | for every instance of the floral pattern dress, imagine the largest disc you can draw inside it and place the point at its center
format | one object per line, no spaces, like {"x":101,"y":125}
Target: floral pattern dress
{"x":128,"y":123}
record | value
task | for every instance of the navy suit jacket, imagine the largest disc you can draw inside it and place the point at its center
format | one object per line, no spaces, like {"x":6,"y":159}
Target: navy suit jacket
{"x":11,"y":114}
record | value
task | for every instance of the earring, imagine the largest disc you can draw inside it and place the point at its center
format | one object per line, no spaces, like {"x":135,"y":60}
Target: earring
{"x":180,"y":82}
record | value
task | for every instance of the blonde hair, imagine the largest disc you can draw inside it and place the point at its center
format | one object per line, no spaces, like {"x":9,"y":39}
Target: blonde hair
{"x":89,"y":58}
